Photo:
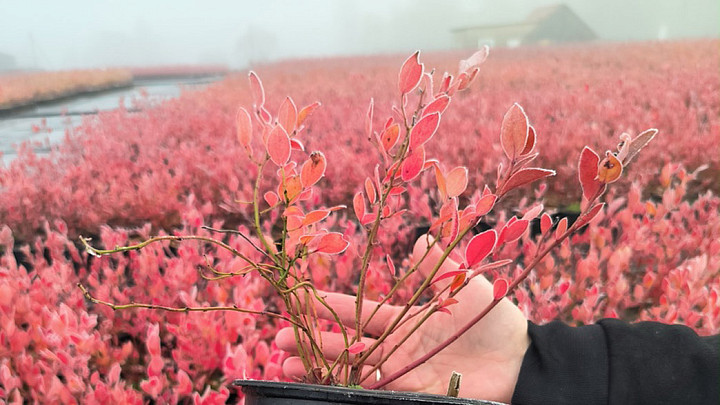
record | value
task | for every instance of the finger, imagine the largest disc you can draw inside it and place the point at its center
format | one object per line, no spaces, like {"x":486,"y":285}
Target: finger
{"x":332,"y":344}
{"x":427,"y":264}
{"x":294,"y":368}
{"x":344,"y":307}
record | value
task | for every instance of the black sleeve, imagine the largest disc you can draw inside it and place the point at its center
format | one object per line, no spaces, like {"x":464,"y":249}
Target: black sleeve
{"x":613,"y":362}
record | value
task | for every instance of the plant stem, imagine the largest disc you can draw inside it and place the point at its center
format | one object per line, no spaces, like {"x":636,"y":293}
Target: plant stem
{"x":489,"y":307}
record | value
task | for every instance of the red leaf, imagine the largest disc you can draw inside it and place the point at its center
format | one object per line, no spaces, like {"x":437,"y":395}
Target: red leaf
{"x":466,"y":78}
{"x":370,"y":190}
{"x":448,"y":274}
{"x":475,"y":60}
{"x":514,"y":132}
{"x":244,"y":127}
{"x":533,"y":212}
{"x":332,"y":243}
{"x":367,"y":218}
{"x":587,"y":173}
{"x":545,"y":223}
{"x":410,"y":73}
{"x":292,"y":188}
{"x":264,"y":115}
{"x":287,"y":115}
{"x":424,"y":130}
{"x":592,"y":213}
{"x":369,"y":119}
{"x":306,"y":112}
{"x":456,"y":181}
{"x":257,"y":89}
{"x":638,"y":143}
{"x":513,"y":231}
{"x":271,"y":198}
{"x":295,"y":144}
{"x":356,"y":347}
{"x":313,"y":169}
{"x":427,"y":83}
{"x":315,"y":216}
{"x":524,"y":159}
{"x":561,"y":228}
{"x":446,"y":303}
{"x":413,"y":164}
{"x":500,"y":288}
{"x":530,"y":143}
{"x":485,"y":205}
{"x":437,"y":106}
{"x":525,"y":176}
{"x":451,"y":230}
{"x":391,"y":265}
{"x":457,"y":282}
{"x":480,"y":247}
{"x":389,"y":137}
{"x":444,"y":310}
{"x":278,"y":146}
{"x":445,"y":84}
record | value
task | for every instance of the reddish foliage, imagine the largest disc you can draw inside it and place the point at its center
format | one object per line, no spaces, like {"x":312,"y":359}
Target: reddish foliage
{"x":652,"y":253}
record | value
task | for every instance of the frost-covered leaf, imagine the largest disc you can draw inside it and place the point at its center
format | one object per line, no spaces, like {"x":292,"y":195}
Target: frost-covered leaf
{"x":424,"y":130}
{"x":332,"y":243}
{"x":587,"y":173}
{"x":278,"y":145}
{"x":638,"y":143}
{"x":533,"y":212}
{"x":530,"y":143}
{"x":271,"y":198}
{"x":592,"y":213}
{"x":244,"y":127}
{"x":514,"y":132}
{"x":370,"y":190}
{"x":456,"y":181}
{"x":306,"y":112}
{"x":526,"y":176}
{"x":545,"y":223}
{"x":313,"y":169}
{"x":257,"y":89}
{"x":513,"y":231}
{"x":390,"y":136}
{"x":315,"y":216}
{"x":359,"y":205}
{"x":413,"y":164}
{"x":410,"y":73}
{"x":500,"y":288}
{"x":287,"y":115}
{"x":437,"y":106}
{"x":479,"y":247}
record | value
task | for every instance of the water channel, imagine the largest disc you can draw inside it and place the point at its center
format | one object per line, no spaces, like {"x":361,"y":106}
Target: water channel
{"x":54,"y":118}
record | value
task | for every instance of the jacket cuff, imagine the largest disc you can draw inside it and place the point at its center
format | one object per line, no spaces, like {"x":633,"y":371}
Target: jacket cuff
{"x":564,"y":365}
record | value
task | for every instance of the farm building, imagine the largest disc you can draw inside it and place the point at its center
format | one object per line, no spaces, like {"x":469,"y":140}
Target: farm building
{"x":546,"y":25}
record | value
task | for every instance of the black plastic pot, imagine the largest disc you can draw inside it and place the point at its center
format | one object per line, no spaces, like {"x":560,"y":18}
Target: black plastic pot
{"x":280,"y":393}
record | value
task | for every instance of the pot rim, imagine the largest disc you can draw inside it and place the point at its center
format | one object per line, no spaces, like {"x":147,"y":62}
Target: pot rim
{"x":293,"y":390}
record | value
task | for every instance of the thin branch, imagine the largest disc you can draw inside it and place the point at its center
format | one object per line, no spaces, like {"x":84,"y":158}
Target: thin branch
{"x":182,"y":309}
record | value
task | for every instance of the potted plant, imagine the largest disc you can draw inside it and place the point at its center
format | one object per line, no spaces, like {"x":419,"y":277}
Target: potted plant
{"x":290,"y":235}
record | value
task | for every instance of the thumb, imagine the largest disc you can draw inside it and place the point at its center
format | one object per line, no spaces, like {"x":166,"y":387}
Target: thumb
{"x":427,"y":254}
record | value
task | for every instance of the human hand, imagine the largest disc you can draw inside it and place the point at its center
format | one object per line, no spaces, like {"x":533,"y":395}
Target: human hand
{"x":488,"y":356}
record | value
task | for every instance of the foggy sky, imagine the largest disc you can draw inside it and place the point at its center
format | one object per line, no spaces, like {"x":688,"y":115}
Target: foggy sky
{"x":95,"y":33}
